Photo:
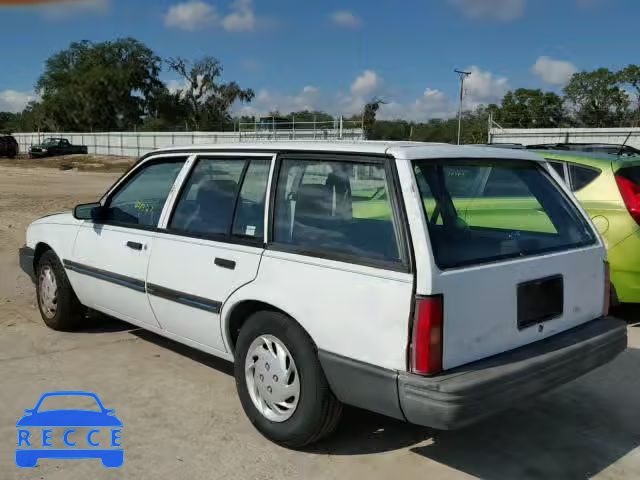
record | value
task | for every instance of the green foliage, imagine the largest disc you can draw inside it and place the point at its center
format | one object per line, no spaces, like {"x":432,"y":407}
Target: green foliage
{"x":474,"y":129}
{"x":630,"y":76}
{"x":204,"y":100}
{"x":309,"y":116}
{"x":7,"y":122}
{"x":525,"y":108}
{"x":99,"y":86}
{"x":369,"y":117}
{"x":598,"y":99}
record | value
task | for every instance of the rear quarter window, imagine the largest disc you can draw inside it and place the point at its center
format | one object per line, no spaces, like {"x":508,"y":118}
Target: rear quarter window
{"x":582,"y":176}
{"x":336,"y":209}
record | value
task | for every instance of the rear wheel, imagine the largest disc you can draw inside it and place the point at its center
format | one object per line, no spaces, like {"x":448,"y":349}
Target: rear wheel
{"x":280,"y":382}
{"x":58,"y":304}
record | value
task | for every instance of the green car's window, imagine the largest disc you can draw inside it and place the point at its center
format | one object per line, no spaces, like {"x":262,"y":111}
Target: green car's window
{"x":484,"y":210}
{"x":582,"y":176}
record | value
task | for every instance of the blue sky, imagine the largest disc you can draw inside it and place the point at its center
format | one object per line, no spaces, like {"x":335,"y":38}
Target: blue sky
{"x":336,"y":54}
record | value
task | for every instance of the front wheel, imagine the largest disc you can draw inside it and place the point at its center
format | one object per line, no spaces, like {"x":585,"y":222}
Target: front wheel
{"x":280,"y":382}
{"x":58,"y":304}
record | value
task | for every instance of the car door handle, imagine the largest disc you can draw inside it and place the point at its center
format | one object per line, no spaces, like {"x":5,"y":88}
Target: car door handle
{"x":224,"y":263}
{"x":134,"y":245}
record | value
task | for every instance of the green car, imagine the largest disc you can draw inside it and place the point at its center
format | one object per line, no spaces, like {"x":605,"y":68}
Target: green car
{"x":608,"y":187}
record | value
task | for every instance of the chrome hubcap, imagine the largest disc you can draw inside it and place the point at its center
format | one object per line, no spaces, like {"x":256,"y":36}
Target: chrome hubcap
{"x":272,"y":378}
{"x":48,"y":292}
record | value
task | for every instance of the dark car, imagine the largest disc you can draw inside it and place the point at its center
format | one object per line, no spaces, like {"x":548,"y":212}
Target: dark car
{"x":54,"y":146}
{"x":8,"y":146}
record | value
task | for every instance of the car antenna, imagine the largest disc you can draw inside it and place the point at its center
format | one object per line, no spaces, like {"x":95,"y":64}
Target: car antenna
{"x":623,"y":144}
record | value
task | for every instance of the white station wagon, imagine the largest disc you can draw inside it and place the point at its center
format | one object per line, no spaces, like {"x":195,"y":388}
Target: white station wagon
{"x":431,"y":283}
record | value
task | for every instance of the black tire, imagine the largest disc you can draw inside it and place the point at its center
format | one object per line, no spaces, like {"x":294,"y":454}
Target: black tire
{"x":69,"y":312}
{"x":318,"y":410}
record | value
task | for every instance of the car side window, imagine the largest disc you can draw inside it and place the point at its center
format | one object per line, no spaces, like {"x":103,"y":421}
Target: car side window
{"x":582,"y":176}
{"x":250,"y":207}
{"x":329,"y":207}
{"x":207,"y":201}
{"x":139,"y":202}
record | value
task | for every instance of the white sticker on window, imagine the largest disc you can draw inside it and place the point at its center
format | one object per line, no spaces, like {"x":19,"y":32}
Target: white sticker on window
{"x":250,"y":230}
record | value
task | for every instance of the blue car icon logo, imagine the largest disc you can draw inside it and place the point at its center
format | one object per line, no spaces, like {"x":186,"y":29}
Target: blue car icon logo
{"x":30,"y":450}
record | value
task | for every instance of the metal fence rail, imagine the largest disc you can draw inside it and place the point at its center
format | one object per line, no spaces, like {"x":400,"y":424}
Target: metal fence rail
{"x":533,"y":136}
{"x":139,"y":143}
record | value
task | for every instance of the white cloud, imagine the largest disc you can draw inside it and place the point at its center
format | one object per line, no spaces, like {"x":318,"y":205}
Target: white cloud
{"x":267,"y":101}
{"x":197,"y":15}
{"x":15,"y":101}
{"x":346,"y":19}
{"x":191,"y":16}
{"x":241,"y":18}
{"x":503,"y":10}
{"x":480,"y":88}
{"x":175,"y":86}
{"x":483,"y":87}
{"x":432,"y":104}
{"x":554,"y":72}
{"x":62,"y":10}
{"x":366,"y":84}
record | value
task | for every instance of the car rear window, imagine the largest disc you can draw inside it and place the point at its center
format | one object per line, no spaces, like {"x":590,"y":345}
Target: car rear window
{"x":479,"y":211}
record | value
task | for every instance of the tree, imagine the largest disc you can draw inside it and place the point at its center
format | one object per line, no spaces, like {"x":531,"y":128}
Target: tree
{"x":369,"y":117}
{"x":526,"y":108}
{"x":99,"y":86}
{"x":631,"y":76}
{"x":204,"y":98}
{"x":309,"y":117}
{"x":597,"y":98}
{"x":7,"y":121}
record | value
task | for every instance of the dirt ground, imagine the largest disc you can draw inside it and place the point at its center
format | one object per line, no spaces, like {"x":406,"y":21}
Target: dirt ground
{"x":87,"y":163}
{"x":182,"y":418}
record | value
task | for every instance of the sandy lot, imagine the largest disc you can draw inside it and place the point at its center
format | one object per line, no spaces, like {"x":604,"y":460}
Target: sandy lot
{"x":182,"y":418}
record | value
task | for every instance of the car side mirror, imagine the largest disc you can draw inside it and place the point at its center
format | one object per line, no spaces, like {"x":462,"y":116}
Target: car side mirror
{"x":28,"y":410}
{"x":89,"y":211}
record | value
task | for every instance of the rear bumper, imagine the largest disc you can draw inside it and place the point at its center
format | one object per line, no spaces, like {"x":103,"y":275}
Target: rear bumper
{"x":26,"y":256}
{"x":469,"y":393}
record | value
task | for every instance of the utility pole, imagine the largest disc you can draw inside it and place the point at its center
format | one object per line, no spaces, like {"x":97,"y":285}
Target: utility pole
{"x":463,"y":75}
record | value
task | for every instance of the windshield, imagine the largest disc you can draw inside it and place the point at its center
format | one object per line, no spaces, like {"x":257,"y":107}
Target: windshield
{"x":480,"y":211}
{"x":50,"y":141}
{"x":67,"y":402}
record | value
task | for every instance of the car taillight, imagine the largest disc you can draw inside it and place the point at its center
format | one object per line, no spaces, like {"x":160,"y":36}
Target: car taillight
{"x":607,"y":290}
{"x":426,"y":338}
{"x":630,"y":192}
